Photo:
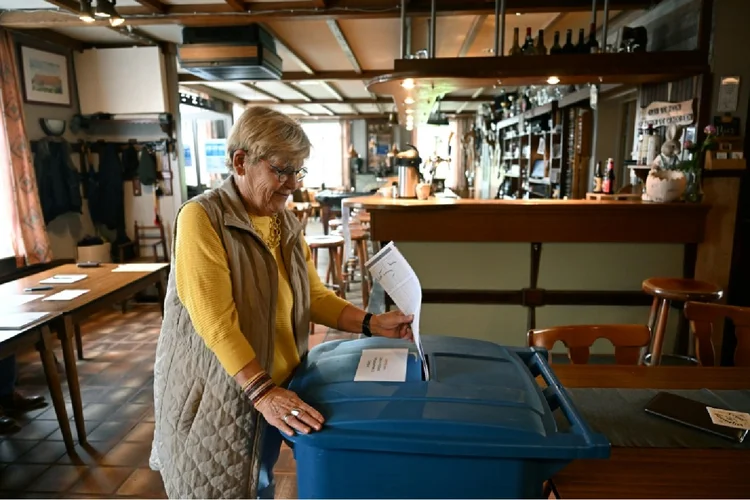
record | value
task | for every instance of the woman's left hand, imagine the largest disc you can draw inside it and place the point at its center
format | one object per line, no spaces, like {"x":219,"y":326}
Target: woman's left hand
{"x":393,"y":324}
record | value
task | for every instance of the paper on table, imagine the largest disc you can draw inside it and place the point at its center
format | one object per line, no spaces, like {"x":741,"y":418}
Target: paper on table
{"x":728,"y":418}
{"x":382,"y":365}
{"x":63,"y":279}
{"x":15,"y":321}
{"x":8,"y":301}
{"x":138,"y":268}
{"x":389,"y":268}
{"x":66,"y":295}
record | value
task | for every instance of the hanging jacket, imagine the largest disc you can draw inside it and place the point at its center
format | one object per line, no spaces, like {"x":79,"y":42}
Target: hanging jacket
{"x":57,"y":179}
{"x":106,"y":195}
{"x":147,"y":167}
{"x":129,"y":163}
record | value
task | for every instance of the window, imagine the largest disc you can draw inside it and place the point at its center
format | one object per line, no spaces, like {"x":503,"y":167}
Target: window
{"x":6,"y":196}
{"x":325,"y":165}
{"x":434,"y":140}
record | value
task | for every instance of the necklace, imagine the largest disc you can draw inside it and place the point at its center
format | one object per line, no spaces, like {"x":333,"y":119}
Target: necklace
{"x":273,"y":238}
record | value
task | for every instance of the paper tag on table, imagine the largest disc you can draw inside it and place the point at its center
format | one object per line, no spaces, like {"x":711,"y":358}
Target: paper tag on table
{"x":389,"y":268}
{"x":10,"y":301}
{"x":728,"y":418}
{"x":16,"y":321}
{"x":66,"y":295}
{"x":63,"y":279}
{"x":382,"y":365}
{"x":139,"y":267}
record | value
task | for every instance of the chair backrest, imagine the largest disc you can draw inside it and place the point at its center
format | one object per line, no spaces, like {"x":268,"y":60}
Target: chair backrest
{"x":702,"y":317}
{"x":151,"y":236}
{"x":627,"y":339}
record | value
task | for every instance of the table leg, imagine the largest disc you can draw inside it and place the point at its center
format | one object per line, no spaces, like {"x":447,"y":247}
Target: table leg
{"x":66,"y":332}
{"x":325,"y":215}
{"x":79,"y":341}
{"x":55,"y":390}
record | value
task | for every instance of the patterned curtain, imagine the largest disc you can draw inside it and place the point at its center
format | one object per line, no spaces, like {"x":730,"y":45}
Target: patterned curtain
{"x":28,"y":232}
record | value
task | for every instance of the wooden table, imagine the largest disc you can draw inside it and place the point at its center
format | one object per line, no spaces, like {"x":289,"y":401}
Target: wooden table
{"x":106,"y":288}
{"x":657,"y":472}
{"x":38,"y":334}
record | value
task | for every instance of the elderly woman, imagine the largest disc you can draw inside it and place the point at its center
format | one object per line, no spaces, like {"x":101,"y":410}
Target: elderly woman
{"x":241,"y":294}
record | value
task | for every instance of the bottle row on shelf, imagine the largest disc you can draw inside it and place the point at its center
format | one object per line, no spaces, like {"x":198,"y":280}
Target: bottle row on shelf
{"x":633,"y":40}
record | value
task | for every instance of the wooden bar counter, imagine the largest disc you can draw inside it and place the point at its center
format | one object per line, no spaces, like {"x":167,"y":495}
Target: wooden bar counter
{"x":562,"y":261}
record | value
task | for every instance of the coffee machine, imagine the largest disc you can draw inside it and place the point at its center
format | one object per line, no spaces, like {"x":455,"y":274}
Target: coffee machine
{"x":408,"y":162}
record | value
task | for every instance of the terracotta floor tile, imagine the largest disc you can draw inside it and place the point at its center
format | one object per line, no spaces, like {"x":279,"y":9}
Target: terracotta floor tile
{"x":286,"y":486}
{"x":46,"y":452}
{"x":115,"y":431}
{"x":143,"y":432}
{"x":131,"y":411}
{"x":37,"y":430}
{"x":58,"y":478}
{"x":17,"y":477}
{"x":90,"y":454}
{"x":98,"y":412}
{"x":103,"y":481}
{"x":10,"y":449}
{"x":143,"y":483}
{"x":128,"y":455}
{"x":286,"y":462}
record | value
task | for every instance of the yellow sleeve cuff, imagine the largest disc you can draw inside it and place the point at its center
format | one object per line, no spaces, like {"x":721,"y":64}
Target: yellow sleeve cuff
{"x":327,"y":309}
{"x":234,"y":353}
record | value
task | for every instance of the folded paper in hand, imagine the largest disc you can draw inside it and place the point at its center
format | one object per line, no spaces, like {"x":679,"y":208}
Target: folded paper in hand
{"x":389,"y":268}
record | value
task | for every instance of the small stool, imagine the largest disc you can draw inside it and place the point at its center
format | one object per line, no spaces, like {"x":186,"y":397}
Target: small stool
{"x":664,"y":291}
{"x":335,"y":224}
{"x":360,"y":239}
{"x":335,"y":246}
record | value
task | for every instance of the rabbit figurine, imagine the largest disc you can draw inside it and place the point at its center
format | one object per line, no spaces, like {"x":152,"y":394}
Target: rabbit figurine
{"x":670,"y":150}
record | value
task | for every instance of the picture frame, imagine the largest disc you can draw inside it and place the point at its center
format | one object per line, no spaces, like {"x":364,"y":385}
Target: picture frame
{"x":45,"y":77}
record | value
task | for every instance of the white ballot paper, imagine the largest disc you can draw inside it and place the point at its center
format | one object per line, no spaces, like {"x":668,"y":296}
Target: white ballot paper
{"x":63,"y":279}
{"x":10,"y":301}
{"x":382,"y":365}
{"x":146,"y":267}
{"x":389,"y":268}
{"x":66,"y":295}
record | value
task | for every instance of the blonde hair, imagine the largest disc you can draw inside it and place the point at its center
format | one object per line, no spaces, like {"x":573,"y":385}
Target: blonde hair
{"x":266,"y":134}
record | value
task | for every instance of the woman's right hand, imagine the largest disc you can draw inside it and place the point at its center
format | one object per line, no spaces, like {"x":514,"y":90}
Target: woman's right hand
{"x":287,"y":412}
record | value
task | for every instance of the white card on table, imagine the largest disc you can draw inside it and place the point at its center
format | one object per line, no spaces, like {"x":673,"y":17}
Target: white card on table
{"x":382,"y":365}
{"x":63,"y":279}
{"x":16,"y":321}
{"x":10,"y":301}
{"x":66,"y":295}
{"x":139,"y":267}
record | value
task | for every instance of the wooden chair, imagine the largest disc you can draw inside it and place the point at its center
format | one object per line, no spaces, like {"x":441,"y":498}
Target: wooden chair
{"x":665,"y":291}
{"x":702,"y":318}
{"x":151,"y":237}
{"x":627,"y":339}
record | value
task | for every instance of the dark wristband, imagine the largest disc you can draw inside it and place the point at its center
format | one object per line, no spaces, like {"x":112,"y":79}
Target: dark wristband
{"x":366,"y":325}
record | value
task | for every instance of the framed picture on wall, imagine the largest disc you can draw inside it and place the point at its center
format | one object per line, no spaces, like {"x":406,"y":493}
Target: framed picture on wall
{"x":44,"y":77}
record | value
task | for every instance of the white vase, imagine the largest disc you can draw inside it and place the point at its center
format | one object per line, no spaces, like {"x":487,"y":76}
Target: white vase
{"x":664,"y":186}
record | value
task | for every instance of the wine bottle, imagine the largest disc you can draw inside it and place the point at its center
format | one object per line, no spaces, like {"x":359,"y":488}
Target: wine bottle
{"x":592,"y":43}
{"x":581,"y":46}
{"x":528,"y":44}
{"x":608,"y":186}
{"x":515,"y":49}
{"x":598,"y":178}
{"x":540,"y":49}
{"x":569,"y":48}
{"x":556,"y":49}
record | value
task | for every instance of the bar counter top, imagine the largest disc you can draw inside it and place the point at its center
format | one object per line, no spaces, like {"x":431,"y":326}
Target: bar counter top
{"x":458,"y":220}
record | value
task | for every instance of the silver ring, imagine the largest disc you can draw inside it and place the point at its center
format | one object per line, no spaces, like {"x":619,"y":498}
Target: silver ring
{"x":286,"y":417}
{"x":295,"y":412}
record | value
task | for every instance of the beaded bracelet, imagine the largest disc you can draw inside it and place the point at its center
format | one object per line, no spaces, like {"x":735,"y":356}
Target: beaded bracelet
{"x":258,"y":387}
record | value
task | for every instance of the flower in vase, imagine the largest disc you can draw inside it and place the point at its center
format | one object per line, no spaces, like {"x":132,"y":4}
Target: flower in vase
{"x":709,"y":130}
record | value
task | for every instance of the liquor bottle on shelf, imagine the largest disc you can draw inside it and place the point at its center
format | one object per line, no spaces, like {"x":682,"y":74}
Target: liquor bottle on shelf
{"x":581,"y":46}
{"x":598,"y":178}
{"x":540,"y":49}
{"x":515,"y":49}
{"x":608,"y":186}
{"x":569,"y":48}
{"x":556,"y":49}
{"x":528,"y":44}
{"x":592,"y":43}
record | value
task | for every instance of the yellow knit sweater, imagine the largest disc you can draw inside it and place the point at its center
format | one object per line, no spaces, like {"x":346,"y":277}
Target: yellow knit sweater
{"x":204,"y":287}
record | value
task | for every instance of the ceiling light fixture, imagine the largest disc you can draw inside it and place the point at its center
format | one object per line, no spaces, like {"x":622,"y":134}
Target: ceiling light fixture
{"x":409,"y":111}
{"x":408,"y":83}
{"x":85,"y":13}
{"x":408,"y":100}
{"x":116,"y":20}
{"x":553,"y":80}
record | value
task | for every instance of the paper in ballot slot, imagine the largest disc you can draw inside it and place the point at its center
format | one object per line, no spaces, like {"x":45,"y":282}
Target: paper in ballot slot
{"x":382,"y":365}
{"x":389,"y":268}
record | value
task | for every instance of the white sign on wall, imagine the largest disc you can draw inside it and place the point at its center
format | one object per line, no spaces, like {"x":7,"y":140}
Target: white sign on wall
{"x":660,"y":114}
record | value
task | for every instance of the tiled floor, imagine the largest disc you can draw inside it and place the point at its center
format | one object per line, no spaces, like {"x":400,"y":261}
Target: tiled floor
{"x":117,"y":388}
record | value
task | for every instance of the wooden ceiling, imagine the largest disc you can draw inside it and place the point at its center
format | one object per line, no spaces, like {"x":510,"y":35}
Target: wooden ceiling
{"x":329,"y":48}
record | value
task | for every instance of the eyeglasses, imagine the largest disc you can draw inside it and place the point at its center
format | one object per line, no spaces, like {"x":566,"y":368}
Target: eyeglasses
{"x":286,"y":172}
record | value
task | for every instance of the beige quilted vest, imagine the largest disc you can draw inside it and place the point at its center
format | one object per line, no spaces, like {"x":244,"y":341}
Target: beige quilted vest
{"x":207,"y":437}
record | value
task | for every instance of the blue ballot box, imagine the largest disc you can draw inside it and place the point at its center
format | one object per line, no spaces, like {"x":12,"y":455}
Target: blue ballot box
{"x":481,"y":427}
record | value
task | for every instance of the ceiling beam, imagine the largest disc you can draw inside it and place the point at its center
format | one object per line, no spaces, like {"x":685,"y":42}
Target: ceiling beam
{"x":333,"y":25}
{"x":155,"y":6}
{"x":308,"y":99}
{"x":54,"y":38}
{"x":318,"y":76}
{"x":236,"y":5}
{"x":476,"y":27}
{"x":297,"y":58}
{"x":236,"y":12}
{"x":260,"y":91}
{"x":357,"y":100}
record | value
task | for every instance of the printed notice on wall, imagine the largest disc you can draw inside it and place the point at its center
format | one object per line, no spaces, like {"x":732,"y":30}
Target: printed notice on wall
{"x":382,"y":365}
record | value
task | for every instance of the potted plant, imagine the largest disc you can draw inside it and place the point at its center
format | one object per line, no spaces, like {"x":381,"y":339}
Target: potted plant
{"x":693,"y":166}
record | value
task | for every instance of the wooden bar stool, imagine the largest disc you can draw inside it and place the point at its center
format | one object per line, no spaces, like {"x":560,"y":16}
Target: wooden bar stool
{"x":359,"y":240}
{"x":337,"y":224}
{"x":335,"y":245}
{"x":664,"y":291}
